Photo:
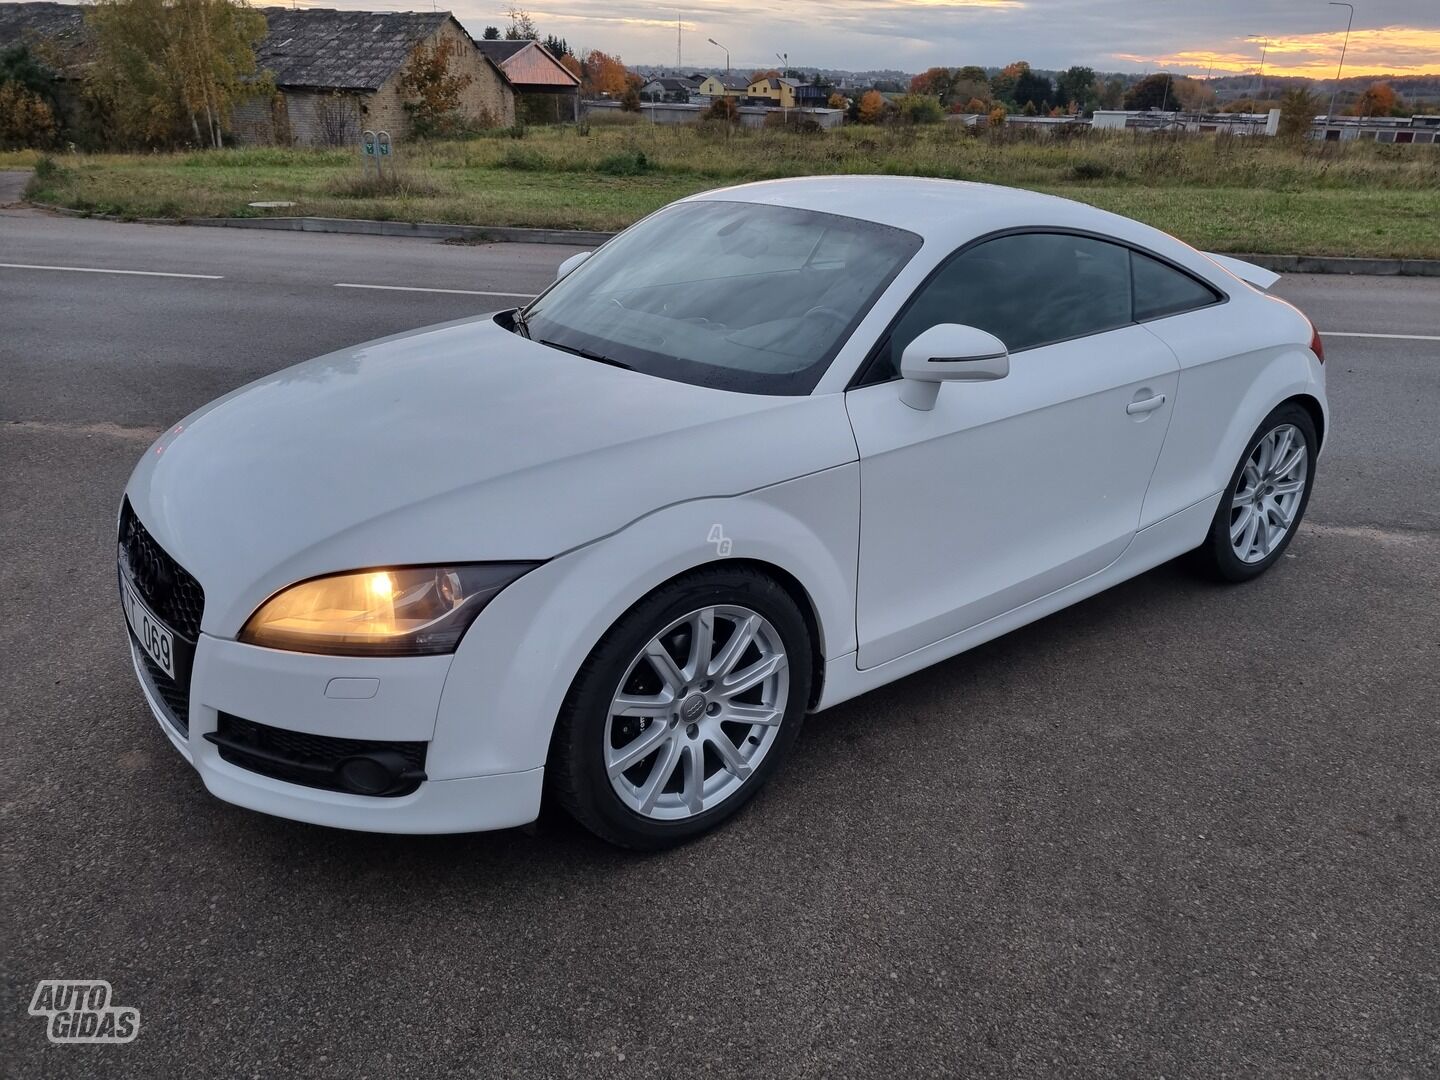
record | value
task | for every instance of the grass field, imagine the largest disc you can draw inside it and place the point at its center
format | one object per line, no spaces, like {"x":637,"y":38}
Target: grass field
{"x":1226,"y":193}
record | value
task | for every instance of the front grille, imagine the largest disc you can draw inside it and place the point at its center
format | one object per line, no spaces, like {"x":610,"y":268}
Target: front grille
{"x":301,"y":758}
{"x":165,"y":586}
{"x":174,"y":696}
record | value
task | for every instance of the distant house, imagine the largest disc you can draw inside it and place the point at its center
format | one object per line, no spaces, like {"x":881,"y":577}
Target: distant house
{"x":537,"y":75}
{"x":668,"y":88}
{"x":713,"y":86}
{"x":787,"y":93}
{"x":338,"y":73}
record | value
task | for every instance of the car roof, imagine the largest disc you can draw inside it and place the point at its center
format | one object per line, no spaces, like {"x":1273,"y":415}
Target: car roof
{"x":948,"y":213}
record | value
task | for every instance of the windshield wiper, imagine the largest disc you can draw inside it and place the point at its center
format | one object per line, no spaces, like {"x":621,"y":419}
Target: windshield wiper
{"x":588,"y":355}
{"x":521,"y":322}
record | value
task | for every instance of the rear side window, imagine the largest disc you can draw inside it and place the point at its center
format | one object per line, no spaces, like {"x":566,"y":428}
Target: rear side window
{"x":1162,"y":290}
{"x":1028,"y":289}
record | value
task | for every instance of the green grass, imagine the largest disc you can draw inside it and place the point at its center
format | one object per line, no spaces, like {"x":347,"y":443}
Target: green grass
{"x":1226,"y":194}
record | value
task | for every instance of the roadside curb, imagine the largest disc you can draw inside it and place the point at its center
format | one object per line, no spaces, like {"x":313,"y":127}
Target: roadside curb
{"x":508,"y":234}
{"x":1333,"y":264}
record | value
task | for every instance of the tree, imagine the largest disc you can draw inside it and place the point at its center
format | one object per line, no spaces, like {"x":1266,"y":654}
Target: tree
{"x":997,"y":116}
{"x":920,"y":109}
{"x":492,"y":33}
{"x":1032,"y":89}
{"x":1192,"y":94}
{"x":771,"y":73}
{"x":1297,"y":112}
{"x":26,"y":119}
{"x":602,"y":74}
{"x":872,"y":107}
{"x":1379,"y":100}
{"x":432,"y":92}
{"x":1112,"y":93}
{"x":557,"y":46}
{"x":1152,"y":92}
{"x":723,"y":109}
{"x":935,"y":81}
{"x":1002,"y":86}
{"x":1076,"y":86}
{"x":630,"y":100}
{"x":162,"y":66}
{"x":20,"y":66}
{"x":837,"y":100}
{"x":522,"y":27}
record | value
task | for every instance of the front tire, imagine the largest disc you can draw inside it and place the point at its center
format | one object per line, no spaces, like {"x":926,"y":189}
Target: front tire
{"x":683,"y":709}
{"x":1266,"y":498}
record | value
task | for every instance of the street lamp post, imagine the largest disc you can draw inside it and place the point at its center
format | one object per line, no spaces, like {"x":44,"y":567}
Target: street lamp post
{"x":725,"y":50}
{"x":1330,"y":112}
{"x":784,"y":59}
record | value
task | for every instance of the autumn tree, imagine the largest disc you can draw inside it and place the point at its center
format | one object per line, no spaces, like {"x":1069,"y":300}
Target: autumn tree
{"x":1002,"y":86}
{"x":603,"y":74}
{"x":1379,"y":100}
{"x":165,"y":67}
{"x":1297,"y":112}
{"x":724,"y":110}
{"x":771,"y":73}
{"x":872,"y":107}
{"x":837,"y":100}
{"x":934,"y":81}
{"x":433,"y":93}
{"x":26,"y":119}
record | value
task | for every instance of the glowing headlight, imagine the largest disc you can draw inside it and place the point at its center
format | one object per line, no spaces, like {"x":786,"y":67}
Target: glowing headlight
{"x":398,"y":611}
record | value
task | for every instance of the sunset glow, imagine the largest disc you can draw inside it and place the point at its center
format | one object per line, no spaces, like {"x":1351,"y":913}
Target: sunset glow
{"x":1390,"y":50}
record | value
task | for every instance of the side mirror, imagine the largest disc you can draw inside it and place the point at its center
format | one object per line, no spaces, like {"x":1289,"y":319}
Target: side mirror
{"x":571,"y":263}
{"x":949,"y":352}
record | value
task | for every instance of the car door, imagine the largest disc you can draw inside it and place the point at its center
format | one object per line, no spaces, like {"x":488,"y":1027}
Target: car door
{"x":1007,"y":490}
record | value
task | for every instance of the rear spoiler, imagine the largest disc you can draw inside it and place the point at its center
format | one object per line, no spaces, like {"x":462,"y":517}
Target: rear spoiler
{"x":1255,"y":275}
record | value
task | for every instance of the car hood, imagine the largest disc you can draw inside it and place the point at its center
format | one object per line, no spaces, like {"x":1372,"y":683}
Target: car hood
{"x":461,"y":442}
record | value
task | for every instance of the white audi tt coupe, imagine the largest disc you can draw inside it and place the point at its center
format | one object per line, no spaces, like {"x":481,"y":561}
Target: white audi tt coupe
{"x":772,"y":447}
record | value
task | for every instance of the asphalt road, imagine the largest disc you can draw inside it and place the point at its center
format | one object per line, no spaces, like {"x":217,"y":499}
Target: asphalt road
{"x":1177,"y":830}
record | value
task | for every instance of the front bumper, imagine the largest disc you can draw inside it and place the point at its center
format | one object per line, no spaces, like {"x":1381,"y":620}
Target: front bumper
{"x":297,"y":692}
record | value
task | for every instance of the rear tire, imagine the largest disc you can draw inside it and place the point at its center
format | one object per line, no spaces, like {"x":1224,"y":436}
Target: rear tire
{"x":1266,"y":498}
{"x":683,"y":709}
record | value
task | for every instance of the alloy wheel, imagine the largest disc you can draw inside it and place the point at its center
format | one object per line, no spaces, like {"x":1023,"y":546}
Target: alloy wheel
{"x":696,"y":712}
{"x":1268,"y":493}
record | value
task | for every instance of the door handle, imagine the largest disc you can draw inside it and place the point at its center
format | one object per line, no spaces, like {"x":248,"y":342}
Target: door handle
{"x":1144,"y":405}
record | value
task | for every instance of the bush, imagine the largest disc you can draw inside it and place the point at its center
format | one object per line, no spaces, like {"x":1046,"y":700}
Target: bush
{"x":1089,"y":170}
{"x":25,"y":118}
{"x":523,"y":159}
{"x":920,"y":109}
{"x":626,"y":163}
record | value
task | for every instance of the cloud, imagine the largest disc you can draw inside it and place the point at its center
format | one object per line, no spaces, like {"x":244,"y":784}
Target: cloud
{"x":1388,"y":50}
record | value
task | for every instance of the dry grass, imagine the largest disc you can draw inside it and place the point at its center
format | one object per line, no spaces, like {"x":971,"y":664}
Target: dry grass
{"x":1222,"y":193}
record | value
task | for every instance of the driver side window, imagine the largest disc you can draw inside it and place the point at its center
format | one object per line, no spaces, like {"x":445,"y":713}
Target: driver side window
{"x":1028,"y":289}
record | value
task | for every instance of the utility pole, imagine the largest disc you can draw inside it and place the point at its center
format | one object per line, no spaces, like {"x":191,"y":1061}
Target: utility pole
{"x":1330,"y":112}
{"x":678,"y":30}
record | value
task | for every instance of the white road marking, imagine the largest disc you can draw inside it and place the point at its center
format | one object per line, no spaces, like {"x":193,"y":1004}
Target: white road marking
{"x":417,"y":288}
{"x":108,"y":270}
{"x":1390,"y":337}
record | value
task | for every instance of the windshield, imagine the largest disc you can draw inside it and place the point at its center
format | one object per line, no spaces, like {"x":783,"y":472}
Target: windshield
{"x":732,"y":295}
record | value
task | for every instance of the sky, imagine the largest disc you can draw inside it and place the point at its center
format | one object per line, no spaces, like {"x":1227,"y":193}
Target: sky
{"x":1400,"y":37}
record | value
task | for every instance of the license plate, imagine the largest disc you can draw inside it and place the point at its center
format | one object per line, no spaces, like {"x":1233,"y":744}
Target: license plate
{"x":154,"y":637}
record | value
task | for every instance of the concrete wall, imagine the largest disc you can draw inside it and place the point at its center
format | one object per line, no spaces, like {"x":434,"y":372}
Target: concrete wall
{"x":751,"y":116}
